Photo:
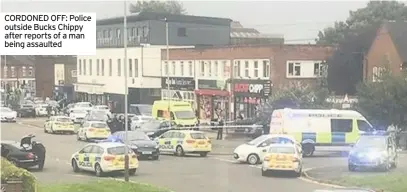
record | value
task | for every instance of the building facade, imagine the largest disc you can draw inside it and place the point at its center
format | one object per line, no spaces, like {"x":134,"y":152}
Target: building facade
{"x":17,"y":72}
{"x":55,"y":76}
{"x":243,"y":75}
{"x":150,"y":28}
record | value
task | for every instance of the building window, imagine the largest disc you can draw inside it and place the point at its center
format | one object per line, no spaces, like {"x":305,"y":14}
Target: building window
{"x":216,"y":68}
{"x":266,"y":68}
{"x":377,"y":74}
{"x":145,"y":31}
{"x":118,"y":33}
{"x":90,"y":67}
{"x":246,"y":69}
{"x":237,"y":69}
{"x":30,"y":71}
{"x":166,"y":70}
{"x":119,"y":67}
{"x":294,"y":69}
{"x":182,"y":68}
{"x":139,"y":31}
{"x":110,"y":34}
{"x":319,"y":69}
{"x":97,"y":67}
{"x":105,"y":34}
{"x":190,"y":68}
{"x":133,"y":32}
{"x":209,"y":67}
{"x":84,"y":67}
{"x":225,"y":68}
{"x":80,"y":67}
{"x":13,"y":72}
{"x":256,"y":69}
{"x":130,"y":67}
{"x":24,"y":72}
{"x":173,"y":67}
{"x":103,"y":67}
{"x":110,"y":67}
{"x":182,"y":32}
{"x":202,"y":68}
{"x":135,"y":67}
{"x":5,"y":71}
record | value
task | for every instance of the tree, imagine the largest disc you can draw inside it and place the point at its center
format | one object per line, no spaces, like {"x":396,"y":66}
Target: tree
{"x":299,"y":95}
{"x":172,"y":7}
{"x":384,"y":101}
{"x":374,"y":12}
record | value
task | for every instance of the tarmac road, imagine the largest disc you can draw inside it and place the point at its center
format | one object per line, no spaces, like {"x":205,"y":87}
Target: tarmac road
{"x":213,"y":173}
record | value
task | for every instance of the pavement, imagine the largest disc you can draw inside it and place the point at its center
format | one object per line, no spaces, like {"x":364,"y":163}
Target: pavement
{"x":180,"y":174}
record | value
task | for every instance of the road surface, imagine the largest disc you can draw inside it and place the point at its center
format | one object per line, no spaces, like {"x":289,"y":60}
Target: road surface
{"x":180,"y":174}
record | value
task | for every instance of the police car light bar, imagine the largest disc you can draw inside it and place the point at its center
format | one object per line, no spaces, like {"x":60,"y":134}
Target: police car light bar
{"x":376,"y":132}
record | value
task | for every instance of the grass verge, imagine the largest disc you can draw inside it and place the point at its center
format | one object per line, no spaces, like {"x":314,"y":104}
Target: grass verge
{"x":101,"y":185}
{"x":391,"y":182}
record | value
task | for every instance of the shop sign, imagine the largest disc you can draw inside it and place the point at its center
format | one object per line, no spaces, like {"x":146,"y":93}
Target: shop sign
{"x":211,"y":84}
{"x":178,"y":83}
{"x":253,"y":87}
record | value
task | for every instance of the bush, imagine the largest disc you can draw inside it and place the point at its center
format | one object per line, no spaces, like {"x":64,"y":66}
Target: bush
{"x":10,"y":172}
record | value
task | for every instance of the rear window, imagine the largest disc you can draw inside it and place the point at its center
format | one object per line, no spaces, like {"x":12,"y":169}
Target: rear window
{"x":64,"y":120}
{"x":284,"y":150}
{"x":117,"y":150}
{"x":198,"y":136}
{"x":99,"y":125}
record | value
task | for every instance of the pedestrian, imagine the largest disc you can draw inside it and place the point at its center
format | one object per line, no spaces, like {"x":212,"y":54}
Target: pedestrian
{"x":220,"y":129}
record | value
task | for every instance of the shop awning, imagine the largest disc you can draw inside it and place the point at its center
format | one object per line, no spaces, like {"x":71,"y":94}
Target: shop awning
{"x":212,"y":92}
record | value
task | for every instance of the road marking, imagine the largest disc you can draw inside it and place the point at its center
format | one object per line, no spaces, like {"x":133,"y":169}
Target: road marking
{"x":225,"y":160}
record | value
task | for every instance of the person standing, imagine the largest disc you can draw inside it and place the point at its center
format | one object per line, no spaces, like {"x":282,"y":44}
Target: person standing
{"x":220,"y":129}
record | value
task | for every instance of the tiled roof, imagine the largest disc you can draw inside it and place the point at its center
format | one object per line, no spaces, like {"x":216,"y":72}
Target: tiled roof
{"x":253,"y":35}
{"x":398,"y":33}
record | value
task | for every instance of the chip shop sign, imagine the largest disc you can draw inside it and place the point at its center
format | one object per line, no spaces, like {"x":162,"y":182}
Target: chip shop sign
{"x":253,"y":87}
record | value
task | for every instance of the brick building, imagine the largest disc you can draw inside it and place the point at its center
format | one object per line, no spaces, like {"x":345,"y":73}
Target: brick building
{"x":17,"y":71}
{"x":252,"y":70}
{"x":389,"y":49}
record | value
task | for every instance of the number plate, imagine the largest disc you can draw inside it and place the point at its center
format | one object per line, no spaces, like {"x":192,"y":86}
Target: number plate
{"x":147,"y":152}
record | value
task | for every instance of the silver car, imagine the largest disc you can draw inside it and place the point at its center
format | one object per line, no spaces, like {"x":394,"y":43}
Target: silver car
{"x":138,"y":120}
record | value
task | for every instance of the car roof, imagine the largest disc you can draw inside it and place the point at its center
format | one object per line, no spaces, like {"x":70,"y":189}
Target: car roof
{"x":108,"y":144}
{"x":283,"y":145}
{"x":95,"y":122}
{"x":281,"y":135}
{"x":186,"y":131}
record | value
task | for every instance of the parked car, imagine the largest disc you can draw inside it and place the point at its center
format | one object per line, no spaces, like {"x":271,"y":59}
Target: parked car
{"x":41,"y":110}
{"x":26,"y":110}
{"x":141,"y":144}
{"x":155,"y":128}
{"x":24,"y":154}
{"x":8,"y":115}
{"x":137,"y":121}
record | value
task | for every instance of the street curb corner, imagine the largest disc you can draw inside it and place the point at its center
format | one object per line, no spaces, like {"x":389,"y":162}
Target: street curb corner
{"x":305,"y":177}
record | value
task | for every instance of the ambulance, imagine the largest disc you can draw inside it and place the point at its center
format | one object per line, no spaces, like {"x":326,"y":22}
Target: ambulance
{"x":330,"y":129}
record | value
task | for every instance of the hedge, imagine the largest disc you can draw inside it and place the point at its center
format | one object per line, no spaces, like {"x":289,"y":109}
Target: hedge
{"x":11,"y":172}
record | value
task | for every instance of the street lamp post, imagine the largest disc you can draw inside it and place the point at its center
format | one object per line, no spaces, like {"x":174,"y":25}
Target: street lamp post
{"x":168,"y":72}
{"x":126,"y":151}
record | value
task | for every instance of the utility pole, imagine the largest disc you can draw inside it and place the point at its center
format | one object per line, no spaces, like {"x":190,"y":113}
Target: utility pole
{"x":168,"y":72}
{"x":232,"y":67}
{"x":126,"y":149}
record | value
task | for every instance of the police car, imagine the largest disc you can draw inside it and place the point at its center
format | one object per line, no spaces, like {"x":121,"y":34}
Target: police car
{"x":282,"y":157}
{"x":253,"y":152}
{"x":180,"y":142}
{"x":373,"y":150}
{"x":93,"y":130}
{"x":59,"y":124}
{"x":103,"y":157}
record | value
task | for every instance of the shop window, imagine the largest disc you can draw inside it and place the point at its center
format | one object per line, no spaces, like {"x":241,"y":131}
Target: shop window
{"x":119,"y":67}
{"x":266,"y":68}
{"x":202,"y":68}
{"x":216,"y":68}
{"x":90,"y":67}
{"x":97,"y":67}
{"x":84,"y":67}
{"x":191,"y":68}
{"x":103,"y":67}
{"x":135,"y":67}
{"x":182,"y":68}
{"x":256,"y":69}
{"x":173,"y":68}
{"x":130,"y":67}
{"x":110,"y":67}
{"x":246,"y":69}
{"x":236,"y":69}
{"x":166,"y":68}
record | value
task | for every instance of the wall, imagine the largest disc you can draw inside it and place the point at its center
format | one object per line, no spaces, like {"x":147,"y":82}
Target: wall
{"x":276,"y":54}
{"x":382,"y":49}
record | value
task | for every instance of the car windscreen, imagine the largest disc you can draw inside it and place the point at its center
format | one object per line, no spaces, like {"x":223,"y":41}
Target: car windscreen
{"x":5,"y":109}
{"x":185,"y":114}
{"x":281,"y":149}
{"x":98,"y":115}
{"x":99,"y":125}
{"x":371,"y":142}
{"x":64,"y":120}
{"x":116,"y":150}
{"x":137,"y":135}
{"x":258,"y":140}
{"x":198,"y":136}
{"x":150,"y":125}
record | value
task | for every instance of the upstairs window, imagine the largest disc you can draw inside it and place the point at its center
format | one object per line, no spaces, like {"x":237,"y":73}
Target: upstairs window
{"x":266,"y":68}
{"x":294,"y":69}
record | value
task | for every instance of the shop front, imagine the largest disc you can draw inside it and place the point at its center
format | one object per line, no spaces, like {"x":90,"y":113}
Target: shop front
{"x":249,"y":94}
{"x":178,"y":89}
{"x":212,"y":99}
{"x":93,"y":93}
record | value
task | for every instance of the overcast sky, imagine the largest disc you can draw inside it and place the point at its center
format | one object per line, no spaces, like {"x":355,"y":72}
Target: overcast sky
{"x":298,"y":21}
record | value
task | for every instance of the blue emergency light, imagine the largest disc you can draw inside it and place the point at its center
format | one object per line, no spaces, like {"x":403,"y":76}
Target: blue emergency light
{"x":111,"y":139}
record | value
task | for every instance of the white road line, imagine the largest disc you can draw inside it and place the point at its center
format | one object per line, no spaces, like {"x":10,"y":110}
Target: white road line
{"x":225,"y":160}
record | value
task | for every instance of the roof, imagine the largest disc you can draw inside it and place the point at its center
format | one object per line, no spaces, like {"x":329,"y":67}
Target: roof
{"x":144,"y":16}
{"x":108,"y":144}
{"x":398,"y":33}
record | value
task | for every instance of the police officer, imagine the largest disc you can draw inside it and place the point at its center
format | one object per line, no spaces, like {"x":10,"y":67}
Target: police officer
{"x":39,"y":151}
{"x":220,"y":129}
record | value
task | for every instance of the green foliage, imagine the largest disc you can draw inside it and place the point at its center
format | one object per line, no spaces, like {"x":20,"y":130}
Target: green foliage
{"x":374,"y":12}
{"x":9,"y":172}
{"x":302,"y":95}
{"x":384,"y":101}
{"x":173,"y":7}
